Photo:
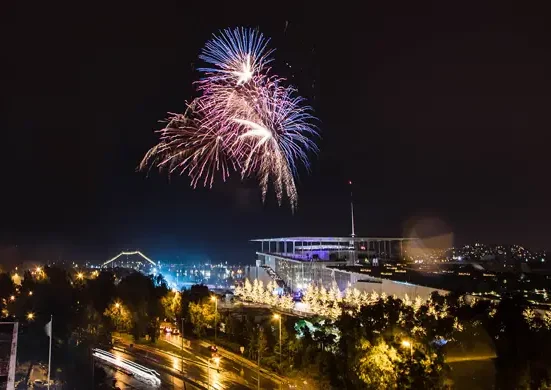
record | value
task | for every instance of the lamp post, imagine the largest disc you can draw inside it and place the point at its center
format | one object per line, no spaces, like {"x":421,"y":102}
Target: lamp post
{"x":215,"y":300}
{"x":182,"y":337}
{"x":118,"y":322}
{"x":278,"y":317}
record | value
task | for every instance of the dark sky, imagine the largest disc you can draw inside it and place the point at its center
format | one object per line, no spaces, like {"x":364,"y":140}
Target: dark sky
{"x":439,"y":114}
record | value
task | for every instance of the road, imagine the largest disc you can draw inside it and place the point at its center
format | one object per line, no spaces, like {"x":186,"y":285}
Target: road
{"x":244,"y":373}
{"x":126,"y":382}
{"x":228,"y":375}
{"x":467,"y":358}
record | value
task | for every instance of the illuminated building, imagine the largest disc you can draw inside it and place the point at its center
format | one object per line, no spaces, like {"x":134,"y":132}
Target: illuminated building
{"x":299,"y":261}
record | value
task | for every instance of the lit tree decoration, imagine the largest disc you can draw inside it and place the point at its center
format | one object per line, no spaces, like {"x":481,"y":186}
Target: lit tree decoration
{"x":417,"y":303}
{"x":238,"y":292}
{"x":530,"y":317}
{"x":269,"y":296}
{"x":285,"y":302}
{"x":248,"y":291}
{"x":547,"y":320}
{"x":258,"y":291}
{"x":457,"y":325}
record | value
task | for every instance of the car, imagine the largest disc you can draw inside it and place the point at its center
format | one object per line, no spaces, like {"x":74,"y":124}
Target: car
{"x":213,"y":348}
{"x":213,"y":351}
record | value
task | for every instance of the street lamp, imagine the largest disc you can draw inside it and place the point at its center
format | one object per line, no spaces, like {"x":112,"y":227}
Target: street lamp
{"x":408,"y":344}
{"x":30,"y":316}
{"x":12,"y":298}
{"x":215,"y":300}
{"x":278,"y":317}
{"x":182,"y":338}
{"x":117,"y":305}
{"x":80,"y":276}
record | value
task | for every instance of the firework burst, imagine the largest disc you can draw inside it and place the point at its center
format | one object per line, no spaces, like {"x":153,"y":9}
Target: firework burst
{"x":236,"y":55}
{"x":245,"y":120}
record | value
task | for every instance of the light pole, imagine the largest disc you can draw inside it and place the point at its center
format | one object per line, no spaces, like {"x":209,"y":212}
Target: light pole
{"x":215,"y":300}
{"x":278,"y":317}
{"x":118,"y":322}
{"x":182,"y":337}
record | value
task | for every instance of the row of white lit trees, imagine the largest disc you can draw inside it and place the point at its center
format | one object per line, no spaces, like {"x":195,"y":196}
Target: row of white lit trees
{"x":322,"y":301}
{"x":325,"y":302}
{"x":256,"y":292}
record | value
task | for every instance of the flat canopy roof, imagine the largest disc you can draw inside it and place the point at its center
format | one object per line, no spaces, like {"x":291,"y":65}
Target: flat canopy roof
{"x":331,"y":239}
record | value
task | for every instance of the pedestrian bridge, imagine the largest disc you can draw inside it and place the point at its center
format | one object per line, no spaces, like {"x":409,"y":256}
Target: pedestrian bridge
{"x":134,"y":259}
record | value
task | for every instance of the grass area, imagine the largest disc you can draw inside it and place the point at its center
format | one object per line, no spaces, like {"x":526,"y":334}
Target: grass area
{"x":474,"y":375}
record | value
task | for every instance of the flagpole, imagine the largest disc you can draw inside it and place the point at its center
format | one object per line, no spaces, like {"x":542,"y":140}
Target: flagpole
{"x":50,"y":353}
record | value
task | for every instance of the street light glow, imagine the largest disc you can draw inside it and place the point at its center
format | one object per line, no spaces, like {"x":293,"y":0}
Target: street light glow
{"x":30,"y":316}
{"x":277,"y":316}
{"x":117,"y":305}
{"x":12,"y":298}
{"x":80,"y":275}
{"x":406,"y":343}
{"x":213,"y":298}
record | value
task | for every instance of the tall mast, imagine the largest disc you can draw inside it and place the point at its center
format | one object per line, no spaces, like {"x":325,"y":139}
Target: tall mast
{"x":352,"y":210}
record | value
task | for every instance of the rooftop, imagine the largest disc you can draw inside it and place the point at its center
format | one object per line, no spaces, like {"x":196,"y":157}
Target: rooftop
{"x":333,"y":239}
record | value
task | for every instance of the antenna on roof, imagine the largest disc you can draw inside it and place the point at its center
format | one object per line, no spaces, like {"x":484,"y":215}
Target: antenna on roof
{"x":351,"y":209}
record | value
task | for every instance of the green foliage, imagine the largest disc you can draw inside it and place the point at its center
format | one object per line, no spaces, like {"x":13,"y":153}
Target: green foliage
{"x":142,"y":295}
{"x":201,"y":316}
{"x":120,"y":316}
{"x":172,"y":305}
{"x":377,"y":365}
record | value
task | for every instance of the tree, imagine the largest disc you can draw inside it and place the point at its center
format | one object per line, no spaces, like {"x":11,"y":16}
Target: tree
{"x":172,"y":304}
{"x":142,"y":296}
{"x":7,"y":288}
{"x":201,"y":316}
{"x":377,"y":366}
{"x":119,"y":316}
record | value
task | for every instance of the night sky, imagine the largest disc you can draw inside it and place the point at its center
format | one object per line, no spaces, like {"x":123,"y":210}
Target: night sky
{"x":438,"y":114}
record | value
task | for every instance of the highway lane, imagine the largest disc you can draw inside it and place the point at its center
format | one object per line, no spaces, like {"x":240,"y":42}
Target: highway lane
{"x":228,"y":375}
{"x":248,"y":375}
{"x":125,"y":381}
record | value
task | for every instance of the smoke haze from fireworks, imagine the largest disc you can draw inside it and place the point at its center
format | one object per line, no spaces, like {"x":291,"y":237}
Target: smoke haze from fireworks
{"x":245,"y":120}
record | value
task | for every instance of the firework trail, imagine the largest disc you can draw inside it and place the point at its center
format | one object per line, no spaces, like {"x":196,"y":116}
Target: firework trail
{"x":236,"y":55}
{"x":245,"y":120}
